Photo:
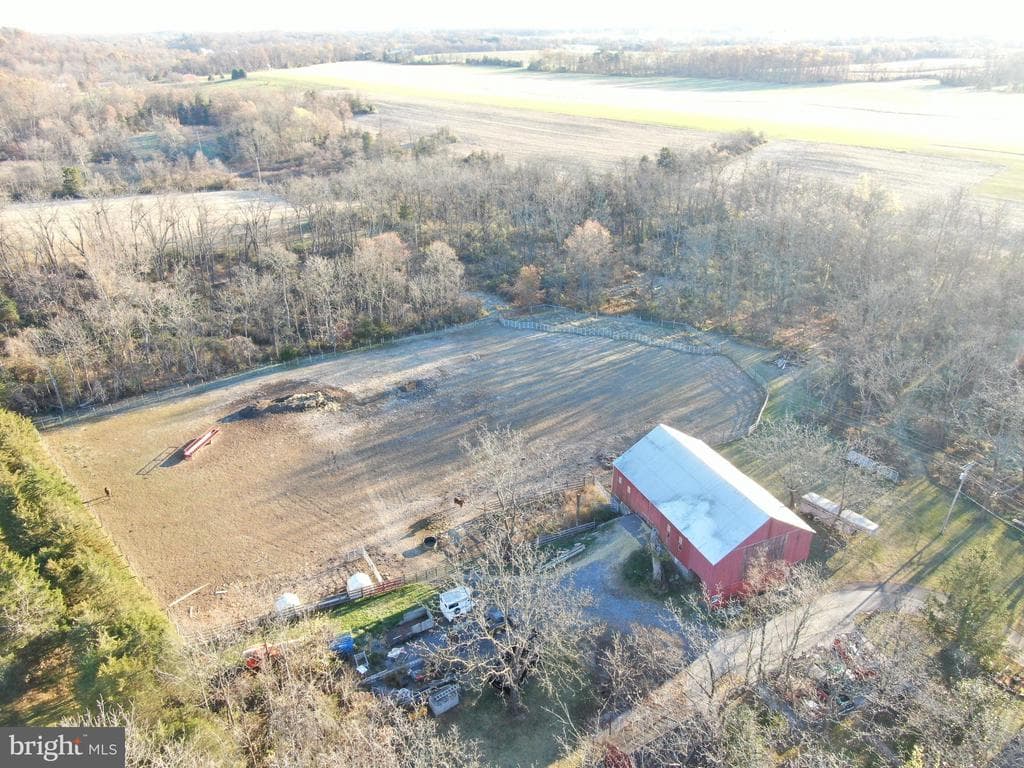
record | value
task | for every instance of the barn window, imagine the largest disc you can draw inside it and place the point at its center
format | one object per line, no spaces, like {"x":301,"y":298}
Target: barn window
{"x":628,"y":489}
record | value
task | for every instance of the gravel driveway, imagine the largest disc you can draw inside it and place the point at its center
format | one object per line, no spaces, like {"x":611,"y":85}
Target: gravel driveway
{"x":599,"y":571}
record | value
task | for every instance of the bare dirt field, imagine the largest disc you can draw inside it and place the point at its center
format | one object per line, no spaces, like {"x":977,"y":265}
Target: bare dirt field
{"x":283,"y":492}
{"x":522,"y":134}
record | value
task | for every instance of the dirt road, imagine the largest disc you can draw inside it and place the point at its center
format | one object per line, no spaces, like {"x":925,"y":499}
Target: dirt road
{"x":832,"y":614}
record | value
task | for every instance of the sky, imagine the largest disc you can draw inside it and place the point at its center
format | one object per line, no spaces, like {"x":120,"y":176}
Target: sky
{"x":786,"y":19}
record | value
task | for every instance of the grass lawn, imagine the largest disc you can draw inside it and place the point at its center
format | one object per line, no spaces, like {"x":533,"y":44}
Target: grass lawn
{"x":1008,"y":184}
{"x":374,"y":615}
{"x":637,"y":573}
{"x":514,"y":740}
{"x":908,"y":547}
{"x":378,"y":614}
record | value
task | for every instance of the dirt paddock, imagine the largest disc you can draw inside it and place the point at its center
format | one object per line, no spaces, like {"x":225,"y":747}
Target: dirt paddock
{"x":371,"y":445}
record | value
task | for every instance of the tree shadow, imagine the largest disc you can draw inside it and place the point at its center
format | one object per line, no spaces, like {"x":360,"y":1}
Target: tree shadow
{"x":420,"y":525}
{"x":416,"y":551}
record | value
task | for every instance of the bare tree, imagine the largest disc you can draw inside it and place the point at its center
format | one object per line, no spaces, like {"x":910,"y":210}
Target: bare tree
{"x":502,"y":462}
{"x":145,"y":745}
{"x":301,"y":708}
{"x":527,"y":624}
{"x":806,"y":455}
{"x":589,"y":260}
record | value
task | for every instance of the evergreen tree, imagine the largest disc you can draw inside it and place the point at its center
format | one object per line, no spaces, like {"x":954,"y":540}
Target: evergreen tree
{"x":973,"y":616}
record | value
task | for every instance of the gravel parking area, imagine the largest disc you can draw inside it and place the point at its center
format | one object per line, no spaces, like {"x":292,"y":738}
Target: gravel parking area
{"x":599,"y":571}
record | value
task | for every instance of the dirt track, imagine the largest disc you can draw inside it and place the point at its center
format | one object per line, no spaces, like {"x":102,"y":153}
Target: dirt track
{"x":284,"y":494}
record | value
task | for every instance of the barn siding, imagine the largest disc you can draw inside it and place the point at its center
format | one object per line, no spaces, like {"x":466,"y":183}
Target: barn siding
{"x":726,"y":577}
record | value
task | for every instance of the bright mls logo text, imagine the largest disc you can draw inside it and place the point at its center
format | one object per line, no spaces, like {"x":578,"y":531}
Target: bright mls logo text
{"x":82,"y":747}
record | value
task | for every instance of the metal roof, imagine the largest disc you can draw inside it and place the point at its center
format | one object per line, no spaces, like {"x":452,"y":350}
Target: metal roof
{"x":712,"y":503}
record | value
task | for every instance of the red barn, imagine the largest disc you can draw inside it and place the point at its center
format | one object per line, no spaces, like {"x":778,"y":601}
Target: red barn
{"x":711,"y":517}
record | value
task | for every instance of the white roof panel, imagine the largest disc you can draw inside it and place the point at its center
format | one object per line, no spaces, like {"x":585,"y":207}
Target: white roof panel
{"x":712,"y":503}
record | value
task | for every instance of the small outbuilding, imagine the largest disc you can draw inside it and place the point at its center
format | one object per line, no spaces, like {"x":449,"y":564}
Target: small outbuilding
{"x":713,"y":519}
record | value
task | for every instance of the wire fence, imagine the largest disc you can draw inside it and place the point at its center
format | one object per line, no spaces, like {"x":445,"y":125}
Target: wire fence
{"x":88,"y":412}
{"x":567,"y":320}
{"x":436,"y":575}
{"x":639,"y":338}
{"x":762,"y":384}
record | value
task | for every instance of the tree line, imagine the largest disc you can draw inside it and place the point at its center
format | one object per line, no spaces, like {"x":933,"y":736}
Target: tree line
{"x":1005,"y":70}
{"x":75,"y":624}
{"x":773,"y":64}
{"x":129,"y":139}
{"x":790,"y":64}
{"x":185,"y":293}
{"x":911,"y":311}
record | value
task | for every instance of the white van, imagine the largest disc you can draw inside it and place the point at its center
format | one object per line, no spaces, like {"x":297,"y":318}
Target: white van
{"x":456,"y":603}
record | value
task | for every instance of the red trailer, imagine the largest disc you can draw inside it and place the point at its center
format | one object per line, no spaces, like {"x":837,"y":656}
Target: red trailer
{"x":199,"y":442}
{"x":712,"y":518}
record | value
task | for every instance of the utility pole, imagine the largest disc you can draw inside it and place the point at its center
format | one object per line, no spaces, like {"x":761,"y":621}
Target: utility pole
{"x":963,"y":477}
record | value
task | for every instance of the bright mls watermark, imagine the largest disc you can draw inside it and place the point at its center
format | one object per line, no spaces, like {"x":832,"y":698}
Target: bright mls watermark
{"x":79,"y":747}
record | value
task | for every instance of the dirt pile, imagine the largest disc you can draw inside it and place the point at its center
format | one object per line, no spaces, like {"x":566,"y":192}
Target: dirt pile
{"x":327,"y":399}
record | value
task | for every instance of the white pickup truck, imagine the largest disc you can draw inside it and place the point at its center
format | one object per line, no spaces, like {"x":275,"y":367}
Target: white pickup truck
{"x":456,"y":603}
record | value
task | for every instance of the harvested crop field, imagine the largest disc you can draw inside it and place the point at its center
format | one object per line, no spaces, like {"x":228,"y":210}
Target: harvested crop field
{"x":525,"y":135}
{"x":519,"y":135}
{"x":315,"y":462}
{"x":915,"y":137}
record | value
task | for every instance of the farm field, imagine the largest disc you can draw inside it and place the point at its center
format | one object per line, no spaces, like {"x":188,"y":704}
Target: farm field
{"x":522,"y":134}
{"x":280,"y":495}
{"x":914,"y":116}
{"x":602,"y":144}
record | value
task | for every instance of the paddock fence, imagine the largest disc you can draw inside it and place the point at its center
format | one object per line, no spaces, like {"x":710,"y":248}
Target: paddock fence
{"x":597,"y":332}
{"x":466,"y":534}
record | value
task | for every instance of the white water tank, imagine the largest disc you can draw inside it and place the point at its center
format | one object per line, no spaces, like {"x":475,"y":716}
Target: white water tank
{"x":357,"y":582}
{"x":287,"y":602}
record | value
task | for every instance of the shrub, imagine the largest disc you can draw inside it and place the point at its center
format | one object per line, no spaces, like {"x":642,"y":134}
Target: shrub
{"x":62,"y":577}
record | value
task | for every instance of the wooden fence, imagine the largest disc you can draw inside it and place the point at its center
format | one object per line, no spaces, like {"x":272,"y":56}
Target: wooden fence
{"x":436,"y":575}
{"x":547,"y":538}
